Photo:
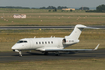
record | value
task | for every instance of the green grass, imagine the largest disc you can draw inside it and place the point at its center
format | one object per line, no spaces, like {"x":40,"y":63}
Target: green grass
{"x":7,"y":10}
{"x":79,"y":64}
{"x":37,"y":17}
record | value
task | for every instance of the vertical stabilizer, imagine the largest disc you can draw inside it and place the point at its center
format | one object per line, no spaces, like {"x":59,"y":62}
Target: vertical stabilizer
{"x":76,"y":32}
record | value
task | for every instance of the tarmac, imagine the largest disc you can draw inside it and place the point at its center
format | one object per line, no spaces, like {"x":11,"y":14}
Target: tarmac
{"x":42,"y":27}
{"x":37,"y":56}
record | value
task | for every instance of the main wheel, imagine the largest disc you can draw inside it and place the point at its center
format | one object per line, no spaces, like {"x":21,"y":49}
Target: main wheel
{"x":45,"y":53}
{"x":57,"y":53}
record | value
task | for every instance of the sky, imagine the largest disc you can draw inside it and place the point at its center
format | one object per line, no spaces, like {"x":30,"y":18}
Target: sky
{"x":56,"y":3}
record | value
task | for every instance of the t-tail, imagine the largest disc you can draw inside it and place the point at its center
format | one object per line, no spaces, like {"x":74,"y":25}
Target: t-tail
{"x":76,"y":32}
{"x":73,"y":38}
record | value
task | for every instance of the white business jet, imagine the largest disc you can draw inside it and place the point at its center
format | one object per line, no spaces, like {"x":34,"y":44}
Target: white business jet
{"x":52,"y":44}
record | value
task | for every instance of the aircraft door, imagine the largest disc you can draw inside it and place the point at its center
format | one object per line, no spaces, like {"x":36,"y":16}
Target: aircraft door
{"x":60,"y":46}
{"x":30,"y":44}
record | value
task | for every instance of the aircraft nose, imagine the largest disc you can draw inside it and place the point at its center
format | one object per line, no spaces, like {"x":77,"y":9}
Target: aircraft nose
{"x":16,"y":46}
{"x":13,"y":47}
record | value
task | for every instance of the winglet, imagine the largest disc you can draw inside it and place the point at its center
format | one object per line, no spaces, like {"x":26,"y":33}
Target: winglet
{"x":97,"y":47}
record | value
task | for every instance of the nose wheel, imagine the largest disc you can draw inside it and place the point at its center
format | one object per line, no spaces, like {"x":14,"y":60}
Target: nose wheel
{"x":20,"y":53}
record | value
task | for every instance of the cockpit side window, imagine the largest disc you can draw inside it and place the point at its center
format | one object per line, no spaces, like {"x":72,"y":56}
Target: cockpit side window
{"x":25,"y":41}
{"x":22,"y":42}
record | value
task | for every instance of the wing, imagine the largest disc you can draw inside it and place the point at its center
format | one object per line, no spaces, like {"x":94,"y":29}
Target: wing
{"x":68,"y":50}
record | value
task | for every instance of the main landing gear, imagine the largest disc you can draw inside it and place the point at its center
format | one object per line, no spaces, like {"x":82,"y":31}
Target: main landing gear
{"x":57,"y":53}
{"x":45,"y":53}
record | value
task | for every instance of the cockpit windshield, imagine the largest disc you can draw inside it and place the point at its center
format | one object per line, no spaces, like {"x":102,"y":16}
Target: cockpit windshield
{"x":22,"y":41}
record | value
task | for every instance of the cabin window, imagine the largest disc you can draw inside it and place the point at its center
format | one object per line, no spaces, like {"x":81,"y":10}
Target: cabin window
{"x":36,"y":42}
{"x":39,"y":42}
{"x":45,"y":42}
{"x":51,"y":42}
{"x":48,"y":42}
{"x":42,"y":42}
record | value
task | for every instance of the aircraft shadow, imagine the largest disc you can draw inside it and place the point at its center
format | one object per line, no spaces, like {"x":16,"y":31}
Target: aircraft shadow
{"x":61,"y":54}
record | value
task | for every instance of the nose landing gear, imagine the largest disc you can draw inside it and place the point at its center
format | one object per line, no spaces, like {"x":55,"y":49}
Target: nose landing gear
{"x":20,"y":53}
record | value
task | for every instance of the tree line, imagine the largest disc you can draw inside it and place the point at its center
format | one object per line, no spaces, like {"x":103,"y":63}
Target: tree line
{"x":52,"y":7}
{"x":49,"y":7}
{"x":14,"y":7}
{"x":100,"y":8}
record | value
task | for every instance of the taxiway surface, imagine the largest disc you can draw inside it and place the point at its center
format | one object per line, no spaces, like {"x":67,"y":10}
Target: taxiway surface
{"x":12,"y":56}
{"x":42,"y":27}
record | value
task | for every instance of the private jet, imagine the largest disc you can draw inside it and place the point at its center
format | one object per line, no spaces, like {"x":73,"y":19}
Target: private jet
{"x":52,"y":44}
